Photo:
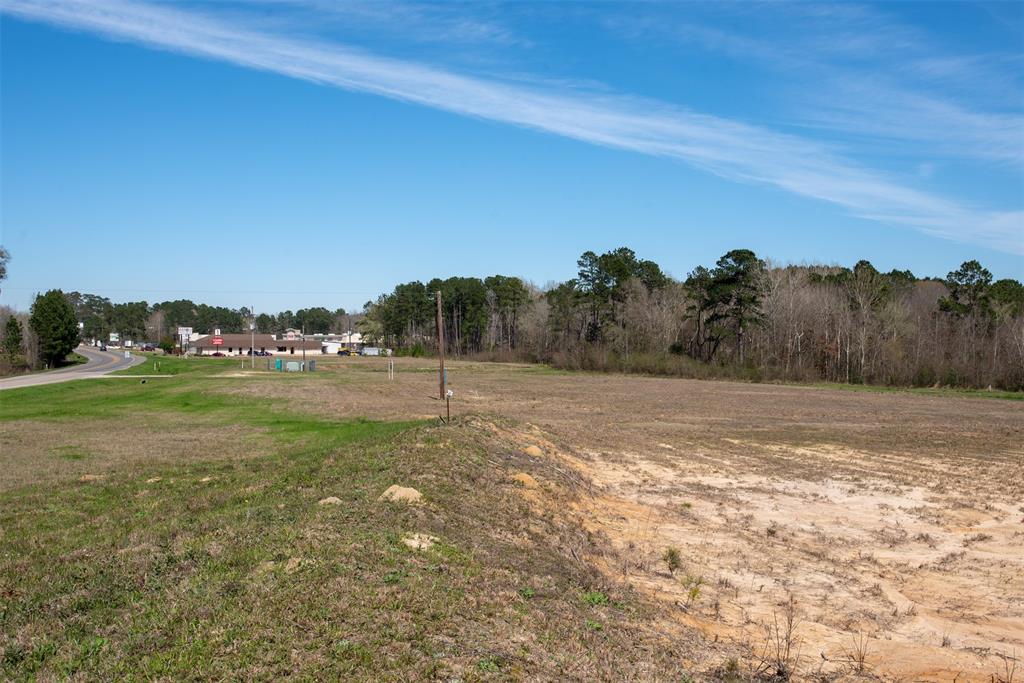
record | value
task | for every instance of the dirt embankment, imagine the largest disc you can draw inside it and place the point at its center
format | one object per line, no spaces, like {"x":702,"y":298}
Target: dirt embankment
{"x":821,"y":579}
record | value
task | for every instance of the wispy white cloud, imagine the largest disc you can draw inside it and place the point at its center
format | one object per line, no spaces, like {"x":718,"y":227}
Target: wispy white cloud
{"x":727,"y":148}
{"x":938,"y":128}
{"x":447,"y":23}
{"x":883,"y":84}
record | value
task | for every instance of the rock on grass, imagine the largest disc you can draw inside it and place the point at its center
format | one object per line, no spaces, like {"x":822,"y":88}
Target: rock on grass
{"x":401,"y":494}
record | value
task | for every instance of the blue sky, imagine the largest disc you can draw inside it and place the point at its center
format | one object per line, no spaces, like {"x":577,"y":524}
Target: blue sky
{"x":299,"y":153}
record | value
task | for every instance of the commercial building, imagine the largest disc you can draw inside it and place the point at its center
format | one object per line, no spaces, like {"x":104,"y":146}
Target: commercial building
{"x":335,"y":343}
{"x":242,"y":345}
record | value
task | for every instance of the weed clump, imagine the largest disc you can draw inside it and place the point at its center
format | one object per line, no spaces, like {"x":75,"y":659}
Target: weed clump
{"x":672,"y":559}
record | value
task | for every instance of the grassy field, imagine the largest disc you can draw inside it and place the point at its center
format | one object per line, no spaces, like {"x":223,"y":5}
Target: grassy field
{"x":932,"y":391}
{"x":166,"y":523}
{"x":890,"y":518}
{"x":173,"y":530}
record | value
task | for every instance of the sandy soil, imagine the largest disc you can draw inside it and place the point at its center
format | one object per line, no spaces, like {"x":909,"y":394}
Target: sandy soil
{"x":887,"y":527}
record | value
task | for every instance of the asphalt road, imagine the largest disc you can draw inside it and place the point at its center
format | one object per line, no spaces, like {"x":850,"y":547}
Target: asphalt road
{"x":100,"y":363}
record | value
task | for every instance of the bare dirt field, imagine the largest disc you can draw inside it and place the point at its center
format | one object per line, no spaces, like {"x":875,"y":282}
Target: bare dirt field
{"x":879,"y":533}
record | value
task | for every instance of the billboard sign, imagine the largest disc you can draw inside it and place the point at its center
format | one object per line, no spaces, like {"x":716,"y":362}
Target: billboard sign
{"x":218,"y":341}
{"x":184,"y":332}
{"x":115,"y":337}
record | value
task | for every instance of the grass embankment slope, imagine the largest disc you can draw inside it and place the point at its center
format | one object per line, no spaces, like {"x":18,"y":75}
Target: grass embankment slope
{"x":216,"y":559}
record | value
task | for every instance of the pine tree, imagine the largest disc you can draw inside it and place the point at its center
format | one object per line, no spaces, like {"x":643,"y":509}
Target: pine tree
{"x":13,"y":338}
{"x":53,"y":321}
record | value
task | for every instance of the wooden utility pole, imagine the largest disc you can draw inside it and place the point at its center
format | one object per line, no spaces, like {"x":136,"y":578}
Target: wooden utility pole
{"x":440,"y":346}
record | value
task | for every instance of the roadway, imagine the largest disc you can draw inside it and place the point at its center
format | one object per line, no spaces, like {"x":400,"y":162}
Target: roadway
{"x":100,"y":363}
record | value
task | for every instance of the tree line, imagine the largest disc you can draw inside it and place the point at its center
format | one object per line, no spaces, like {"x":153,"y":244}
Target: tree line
{"x":742,"y":317}
{"x":138,"y":320}
{"x":59,"y":321}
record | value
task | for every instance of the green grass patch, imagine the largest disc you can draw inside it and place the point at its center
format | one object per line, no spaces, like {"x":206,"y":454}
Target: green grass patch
{"x":113,"y":399}
{"x":69,"y":452}
{"x":232,"y":569}
{"x":158,"y":364}
{"x":929,"y":391}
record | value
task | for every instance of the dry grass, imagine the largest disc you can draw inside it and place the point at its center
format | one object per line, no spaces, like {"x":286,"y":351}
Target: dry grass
{"x":34,"y":452}
{"x":226,"y":567}
{"x":820,"y":534}
{"x":892,"y":518}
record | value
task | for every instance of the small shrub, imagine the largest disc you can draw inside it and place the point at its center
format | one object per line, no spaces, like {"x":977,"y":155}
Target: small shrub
{"x":595,"y":598}
{"x":692,"y":585}
{"x":730,"y":672}
{"x":671,"y":559}
{"x":925,"y":377}
{"x":526,"y":592}
{"x":417,"y":350}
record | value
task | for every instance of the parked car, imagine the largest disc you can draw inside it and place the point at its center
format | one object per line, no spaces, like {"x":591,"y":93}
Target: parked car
{"x":148,"y":347}
{"x":346,"y":352}
{"x":217,"y":354}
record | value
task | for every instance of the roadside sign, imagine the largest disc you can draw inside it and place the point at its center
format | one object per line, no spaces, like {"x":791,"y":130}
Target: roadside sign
{"x":185,"y":332}
{"x":115,"y":336}
{"x":218,"y":341}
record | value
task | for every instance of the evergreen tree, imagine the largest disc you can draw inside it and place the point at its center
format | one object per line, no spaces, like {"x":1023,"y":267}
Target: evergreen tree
{"x":13,"y":338}
{"x":968,"y":290}
{"x":53,"y":321}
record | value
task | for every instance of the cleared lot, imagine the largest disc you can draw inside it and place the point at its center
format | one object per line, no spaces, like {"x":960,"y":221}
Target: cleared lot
{"x":839,"y":533}
{"x":891,"y":521}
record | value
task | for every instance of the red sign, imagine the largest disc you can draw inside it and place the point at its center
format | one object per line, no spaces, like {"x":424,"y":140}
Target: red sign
{"x":218,"y":341}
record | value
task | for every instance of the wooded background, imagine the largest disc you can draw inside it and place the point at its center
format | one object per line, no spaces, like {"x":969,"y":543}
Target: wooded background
{"x":741,"y":317}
